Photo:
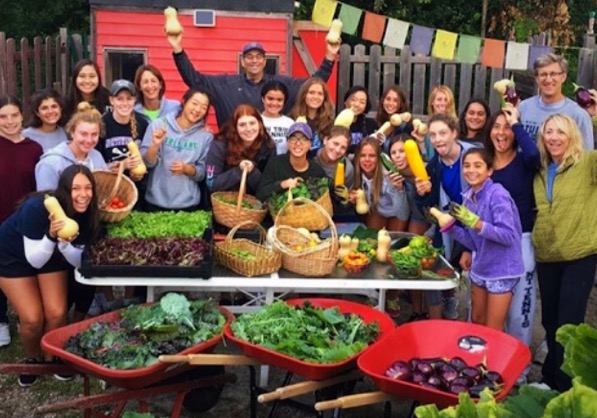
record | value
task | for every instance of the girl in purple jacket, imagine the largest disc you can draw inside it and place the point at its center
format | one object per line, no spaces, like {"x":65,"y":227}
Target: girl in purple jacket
{"x":490,"y":227}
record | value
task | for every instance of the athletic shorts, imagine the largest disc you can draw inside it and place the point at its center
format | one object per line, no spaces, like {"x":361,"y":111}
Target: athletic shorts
{"x":495,"y":286}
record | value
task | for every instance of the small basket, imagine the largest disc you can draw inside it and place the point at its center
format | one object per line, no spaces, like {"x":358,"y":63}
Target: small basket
{"x":108,"y":185}
{"x":319,"y":260}
{"x":230,"y":215}
{"x":266,"y":261}
{"x":304,"y":215}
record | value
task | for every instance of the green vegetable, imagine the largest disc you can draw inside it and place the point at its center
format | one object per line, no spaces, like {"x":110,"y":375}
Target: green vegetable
{"x":578,"y":402}
{"x":245,"y":204}
{"x":387,"y":163}
{"x":161,"y":224}
{"x":363,"y":233}
{"x":247,"y":255}
{"x":487,"y":407}
{"x":306,"y":333}
{"x":143,"y":333}
{"x":406,"y":264}
{"x":580,"y":352}
{"x":529,"y":402}
{"x":418,"y":242}
{"x":312,"y":188}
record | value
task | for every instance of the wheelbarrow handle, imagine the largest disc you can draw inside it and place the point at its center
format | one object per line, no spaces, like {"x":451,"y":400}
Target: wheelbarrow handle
{"x":352,"y":401}
{"x":211,"y":359}
{"x":301,"y":388}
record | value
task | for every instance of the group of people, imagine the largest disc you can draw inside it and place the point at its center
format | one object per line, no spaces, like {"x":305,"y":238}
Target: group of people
{"x":514,"y":196}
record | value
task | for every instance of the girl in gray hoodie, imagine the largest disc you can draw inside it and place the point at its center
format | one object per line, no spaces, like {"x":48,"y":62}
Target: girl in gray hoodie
{"x":176,"y":147}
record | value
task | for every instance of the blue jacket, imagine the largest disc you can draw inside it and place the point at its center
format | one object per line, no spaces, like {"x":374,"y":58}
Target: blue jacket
{"x":497,"y":246}
{"x":166,"y":106}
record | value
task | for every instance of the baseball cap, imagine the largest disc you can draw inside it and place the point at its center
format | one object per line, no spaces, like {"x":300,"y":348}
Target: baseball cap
{"x":253,"y":46}
{"x":120,"y":85}
{"x":302,"y":128}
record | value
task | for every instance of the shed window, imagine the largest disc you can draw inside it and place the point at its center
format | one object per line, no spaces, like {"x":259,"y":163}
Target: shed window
{"x":272,"y":66}
{"x":121,"y":63}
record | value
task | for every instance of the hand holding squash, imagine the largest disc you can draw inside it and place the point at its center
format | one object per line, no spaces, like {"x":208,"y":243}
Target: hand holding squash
{"x":61,"y":226}
{"x":135,"y":162}
{"x":173,"y":26}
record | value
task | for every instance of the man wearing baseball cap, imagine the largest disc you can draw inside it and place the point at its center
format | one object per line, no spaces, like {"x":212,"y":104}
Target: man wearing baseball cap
{"x":230,"y":90}
{"x":285,"y":171}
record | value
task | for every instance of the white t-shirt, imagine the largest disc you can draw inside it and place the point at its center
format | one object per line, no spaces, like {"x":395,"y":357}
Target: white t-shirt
{"x":277,"y":129}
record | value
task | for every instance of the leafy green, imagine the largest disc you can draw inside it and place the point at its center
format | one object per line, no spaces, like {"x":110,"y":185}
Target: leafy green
{"x":143,"y":333}
{"x":312,"y":188}
{"x":307,"y":333}
{"x":578,"y":402}
{"x":487,"y":407}
{"x":362,"y":233}
{"x":529,"y":402}
{"x":580,"y":352}
{"x":161,"y":224}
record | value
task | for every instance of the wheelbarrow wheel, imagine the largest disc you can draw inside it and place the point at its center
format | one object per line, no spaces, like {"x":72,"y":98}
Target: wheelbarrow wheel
{"x":203,"y":399}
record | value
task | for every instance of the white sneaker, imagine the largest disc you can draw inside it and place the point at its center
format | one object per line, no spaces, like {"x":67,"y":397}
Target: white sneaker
{"x":4,"y":335}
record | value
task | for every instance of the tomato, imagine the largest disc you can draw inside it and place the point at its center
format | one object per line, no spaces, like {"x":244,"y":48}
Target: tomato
{"x":427,"y":262}
{"x":121,"y":204}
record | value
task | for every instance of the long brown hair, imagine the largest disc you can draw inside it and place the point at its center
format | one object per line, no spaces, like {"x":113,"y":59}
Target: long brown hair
{"x":377,"y":180}
{"x":382,"y":115}
{"x":156,"y":72}
{"x":236,"y":150}
{"x":325,"y":114}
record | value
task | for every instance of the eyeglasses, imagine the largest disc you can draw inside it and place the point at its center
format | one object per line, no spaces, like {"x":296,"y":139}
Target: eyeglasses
{"x":299,"y":139}
{"x":553,"y":74}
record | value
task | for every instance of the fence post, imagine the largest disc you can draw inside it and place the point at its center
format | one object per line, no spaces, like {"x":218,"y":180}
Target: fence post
{"x":3,"y":63}
{"x":63,"y":58}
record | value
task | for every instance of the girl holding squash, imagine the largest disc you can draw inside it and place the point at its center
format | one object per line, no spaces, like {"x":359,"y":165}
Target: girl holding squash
{"x":392,"y":101}
{"x":18,"y":156}
{"x":242,"y":142}
{"x":314,"y":103}
{"x":357,"y":99}
{"x":46,"y":119}
{"x":150,"y":87}
{"x":176,"y":147}
{"x":34,"y":257}
{"x":86,"y":86}
{"x":381,"y":203}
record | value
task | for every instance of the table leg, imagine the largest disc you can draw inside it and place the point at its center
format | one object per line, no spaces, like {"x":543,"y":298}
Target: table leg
{"x":381,"y":300}
{"x":150,"y":293}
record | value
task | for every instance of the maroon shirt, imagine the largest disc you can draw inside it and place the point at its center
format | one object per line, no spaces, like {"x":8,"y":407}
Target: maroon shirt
{"x":17,"y":172}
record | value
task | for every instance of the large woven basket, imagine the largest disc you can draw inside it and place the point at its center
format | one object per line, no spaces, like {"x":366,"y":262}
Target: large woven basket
{"x":265,"y":261}
{"x":232,"y":215}
{"x":310,"y":261}
{"x":109,"y":184}
{"x":304,"y":215}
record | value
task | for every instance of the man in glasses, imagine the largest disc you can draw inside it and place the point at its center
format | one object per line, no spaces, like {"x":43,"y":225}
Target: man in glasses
{"x":551,"y":71}
{"x":230,"y":90}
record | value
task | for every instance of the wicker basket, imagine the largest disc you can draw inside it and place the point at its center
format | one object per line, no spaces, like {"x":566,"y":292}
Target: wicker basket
{"x":316,"y":261}
{"x":265,"y":262}
{"x":108,"y":185}
{"x":233,"y":215}
{"x":305,"y":215}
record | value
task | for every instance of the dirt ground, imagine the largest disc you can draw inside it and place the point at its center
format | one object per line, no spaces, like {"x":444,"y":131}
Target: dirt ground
{"x":16,"y":402}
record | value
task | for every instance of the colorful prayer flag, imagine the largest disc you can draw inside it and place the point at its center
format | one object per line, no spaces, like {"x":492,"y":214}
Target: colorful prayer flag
{"x":323,"y":12}
{"x":517,"y":56}
{"x":350,"y":17}
{"x":536,"y":51}
{"x":396,"y":32}
{"x":373,"y":27}
{"x":493,"y":53}
{"x":445,"y":44}
{"x":469,"y":48}
{"x":420,"y":40}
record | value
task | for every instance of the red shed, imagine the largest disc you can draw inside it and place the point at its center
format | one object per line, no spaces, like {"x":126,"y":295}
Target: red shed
{"x":129,"y":33}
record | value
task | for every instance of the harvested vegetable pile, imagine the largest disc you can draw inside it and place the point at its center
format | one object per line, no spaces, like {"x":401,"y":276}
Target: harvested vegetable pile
{"x":145,"y":332}
{"x":307,"y":333}
{"x":312,"y":188}
{"x":150,"y":251}
{"x":161,"y":224}
{"x":245,"y":204}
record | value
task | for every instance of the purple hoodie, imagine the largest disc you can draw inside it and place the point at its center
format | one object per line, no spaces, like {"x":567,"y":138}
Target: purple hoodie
{"x":497,"y":247}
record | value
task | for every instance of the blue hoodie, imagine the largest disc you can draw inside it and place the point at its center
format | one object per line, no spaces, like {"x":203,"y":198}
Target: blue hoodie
{"x":165,"y":189}
{"x":57,"y":159}
{"x":166,"y":106}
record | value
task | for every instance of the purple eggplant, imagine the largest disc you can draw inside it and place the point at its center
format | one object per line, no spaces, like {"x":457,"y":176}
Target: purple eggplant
{"x":448,"y":373}
{"x":399,"y":371}
{"x":418,"y":377}
{"x":425,"y":368}
{"x":471,"y":372}
{"x":511,"y":95}
{"x":456,"y":388}
{"x":494,"y":376}
{"x":464,"y":381}
{"x":582,"y":96}
{"x":457,"y":363}
{"x":413,"y":362}
{"x":435,"y":381}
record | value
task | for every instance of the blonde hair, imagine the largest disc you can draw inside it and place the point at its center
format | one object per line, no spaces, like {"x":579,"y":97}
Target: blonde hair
{"x":85,"y":113}
{"x":450,"y":107}
{"x":568,"y":127}
{"x":377,"y":178}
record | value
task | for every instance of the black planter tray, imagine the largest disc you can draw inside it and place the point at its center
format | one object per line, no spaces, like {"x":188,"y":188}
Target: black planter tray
{"x":203,"y":270}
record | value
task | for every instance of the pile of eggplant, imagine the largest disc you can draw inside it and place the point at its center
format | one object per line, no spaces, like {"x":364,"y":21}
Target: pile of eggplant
{"x":448,"y":375}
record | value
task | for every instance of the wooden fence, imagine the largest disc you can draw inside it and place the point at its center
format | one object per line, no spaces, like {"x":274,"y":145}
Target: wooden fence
{"x":26,"y":68}
{"x":381,"y":67}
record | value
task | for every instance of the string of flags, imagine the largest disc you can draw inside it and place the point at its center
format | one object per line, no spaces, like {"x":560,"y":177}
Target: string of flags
{"x":439,"y":43}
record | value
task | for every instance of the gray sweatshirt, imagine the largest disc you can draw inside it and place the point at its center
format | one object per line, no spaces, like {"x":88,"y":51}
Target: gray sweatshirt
{"x":47,"y":140}
{"x":165,"y":189}
{"x":55,"y":160}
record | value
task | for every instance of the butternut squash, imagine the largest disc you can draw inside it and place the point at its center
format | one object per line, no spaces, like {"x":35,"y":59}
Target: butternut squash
{"x":339,"y":175}
{"x":420,"y":127}
{"x":344,"y":249}
{"x":345,"y":118}
{"x":383,"y":245}
{"x":362,"y":206}
{"x":333,"y":36}
{"x":70,"y":228}
{"x":302,"y":119}
{"x":415,"y":162}
{"x":140,"y":169}
{"x":444,"y":220}
{"x":173,"y":26}
{"x":354,"y":245}
{"x":404,"y":117}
